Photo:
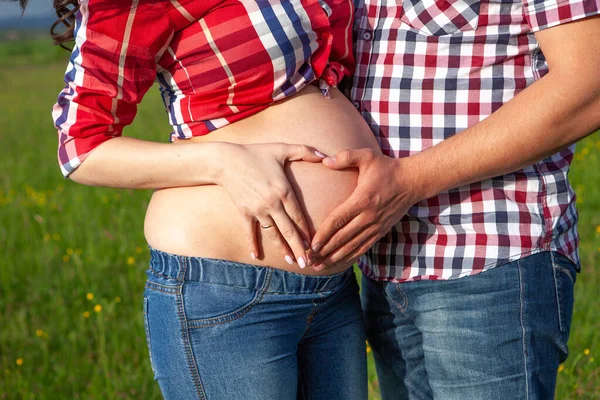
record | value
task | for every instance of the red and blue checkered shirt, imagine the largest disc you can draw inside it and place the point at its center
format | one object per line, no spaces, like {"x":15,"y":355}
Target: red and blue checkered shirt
{"x":216,"y":61}
{"x":428,"y":69}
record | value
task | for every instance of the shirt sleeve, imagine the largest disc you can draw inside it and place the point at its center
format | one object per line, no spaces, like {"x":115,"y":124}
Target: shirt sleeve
{"x":112,"y":66}
{"x":543,"y":14}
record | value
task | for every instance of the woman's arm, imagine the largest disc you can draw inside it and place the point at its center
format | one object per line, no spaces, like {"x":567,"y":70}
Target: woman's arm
{"x":112,"y":66}
{"x":252,"y":175}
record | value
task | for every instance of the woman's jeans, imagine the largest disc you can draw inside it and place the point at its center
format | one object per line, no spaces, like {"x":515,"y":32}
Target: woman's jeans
{"x":500,"y":334}
{"x":223,"y":330}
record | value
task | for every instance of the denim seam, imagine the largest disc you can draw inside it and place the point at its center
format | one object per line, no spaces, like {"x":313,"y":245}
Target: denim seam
{"x":564,"y":270}
{"x":404,"y":297}
{"x":524,"y":335}
{"x":311,"y":315}
{"x":148,"y":338}
{"x":558,"y":293}
{"x":152,"y":271}
{"x":229,"y":317}
{"x":161,"y":288}
{"x":193,"y":368}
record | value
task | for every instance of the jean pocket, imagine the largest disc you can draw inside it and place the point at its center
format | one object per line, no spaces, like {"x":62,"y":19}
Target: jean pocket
{"x":441,"y":17}
{"x":209,"y":304}
{"x":148,"y":339}
{"x":564,"y":280}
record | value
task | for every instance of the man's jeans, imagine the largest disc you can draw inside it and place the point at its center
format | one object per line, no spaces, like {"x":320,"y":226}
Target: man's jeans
{"x":500,"y":334}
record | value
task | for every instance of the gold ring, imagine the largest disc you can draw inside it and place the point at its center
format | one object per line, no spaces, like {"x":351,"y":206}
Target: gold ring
{"x":266,"y":226}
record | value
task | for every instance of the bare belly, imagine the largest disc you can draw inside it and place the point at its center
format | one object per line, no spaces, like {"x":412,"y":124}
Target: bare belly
{"x":202,"y":221}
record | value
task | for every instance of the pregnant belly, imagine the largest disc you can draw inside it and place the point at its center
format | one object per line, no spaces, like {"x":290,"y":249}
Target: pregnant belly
{"x":203,"y":221}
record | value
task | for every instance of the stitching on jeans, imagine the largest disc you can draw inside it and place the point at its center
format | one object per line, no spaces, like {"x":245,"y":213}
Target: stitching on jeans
{"x":521,"y":298}
{"x":404,"y":298}
{"x":161,"y":275}
{"x":564,"y":270}
{"x":208,"y":322}
{"x":161,"y":288}
{"x":558,"y":293}
{"x":185,"y":337}
{"x":315,"y":309}
{"x":312,"y":314}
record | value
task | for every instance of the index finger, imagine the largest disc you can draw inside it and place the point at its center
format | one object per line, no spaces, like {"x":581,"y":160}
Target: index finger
{"x":294,"y":211}
{"x":337,"y":220}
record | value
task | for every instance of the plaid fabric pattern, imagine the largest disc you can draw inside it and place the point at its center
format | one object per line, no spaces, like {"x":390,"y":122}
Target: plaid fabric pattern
{"x":216,"y":62}
{"x":427,"y":70}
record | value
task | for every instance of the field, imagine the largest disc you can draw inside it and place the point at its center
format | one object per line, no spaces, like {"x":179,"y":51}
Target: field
{"x":72,"y":258}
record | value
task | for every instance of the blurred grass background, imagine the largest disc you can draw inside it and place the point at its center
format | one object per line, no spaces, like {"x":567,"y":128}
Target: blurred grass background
{"x":72,"y":258}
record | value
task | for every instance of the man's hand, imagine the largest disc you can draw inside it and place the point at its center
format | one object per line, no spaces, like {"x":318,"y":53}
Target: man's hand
{"x":382,"y":196}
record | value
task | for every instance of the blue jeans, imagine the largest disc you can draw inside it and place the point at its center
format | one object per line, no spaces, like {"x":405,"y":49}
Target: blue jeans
{"x":500,"y":334}
{"x":224,"y":330}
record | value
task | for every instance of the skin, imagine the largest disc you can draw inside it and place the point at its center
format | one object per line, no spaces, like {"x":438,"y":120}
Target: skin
{"x":551,"y":114}
{"x":252,"y":174}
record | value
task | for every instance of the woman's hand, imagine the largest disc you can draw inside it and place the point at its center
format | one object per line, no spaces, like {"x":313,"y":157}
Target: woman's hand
{"x":253,"y":176}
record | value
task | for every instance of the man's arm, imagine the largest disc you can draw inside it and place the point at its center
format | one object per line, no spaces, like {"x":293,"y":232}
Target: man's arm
{"x":552,"y":113}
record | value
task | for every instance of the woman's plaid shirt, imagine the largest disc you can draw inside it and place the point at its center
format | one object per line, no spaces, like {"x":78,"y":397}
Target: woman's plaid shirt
{"x":216,"y":61}
{"x":428,"y":69}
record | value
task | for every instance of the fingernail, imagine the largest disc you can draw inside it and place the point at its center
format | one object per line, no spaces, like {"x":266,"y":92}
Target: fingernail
{"x":301,"y":262}
{"x":318,"y":266}
{"x":317,"y":247}
{"x":253,"y":255}
{"x":306,"y":245}
{"x":319,"y":154}
{"x":289,"y":260}
{"x":330,"y":159}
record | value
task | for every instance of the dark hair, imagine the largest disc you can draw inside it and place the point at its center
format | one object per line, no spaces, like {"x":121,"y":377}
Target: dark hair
{"x":65,"y":11}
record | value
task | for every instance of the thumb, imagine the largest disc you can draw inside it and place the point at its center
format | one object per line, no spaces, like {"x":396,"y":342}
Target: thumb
{"x":344,"y":159}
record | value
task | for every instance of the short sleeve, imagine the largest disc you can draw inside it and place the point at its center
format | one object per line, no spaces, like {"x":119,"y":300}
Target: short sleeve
{"x":542,"y":14}
{"x":112,"y":66}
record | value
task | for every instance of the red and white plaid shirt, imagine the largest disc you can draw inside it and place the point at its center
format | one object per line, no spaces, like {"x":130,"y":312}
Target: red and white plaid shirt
{"x":217,"y":61}
{"x":428,"y":69}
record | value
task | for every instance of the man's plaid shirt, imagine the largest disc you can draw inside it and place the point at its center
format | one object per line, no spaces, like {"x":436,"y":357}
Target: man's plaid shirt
{"x":428,"y":69}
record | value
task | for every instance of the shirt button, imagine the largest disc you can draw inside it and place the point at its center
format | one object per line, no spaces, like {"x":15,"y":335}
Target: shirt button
{"x":367,"y":35}
{"x":356,"y":105}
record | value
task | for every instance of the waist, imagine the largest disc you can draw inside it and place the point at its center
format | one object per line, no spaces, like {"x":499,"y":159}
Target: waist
{"x":203,"y":221}
{"x":231,"y":273}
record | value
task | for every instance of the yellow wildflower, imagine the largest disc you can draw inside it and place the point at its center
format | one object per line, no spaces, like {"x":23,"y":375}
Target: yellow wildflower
{"x":39,"y":333}
{"x":97,"y":308}
{"x":19,"y":361}
{"x":86,"y":314}
{"x":46,"y":237}
{"x":130,"y":260}
{"x":66,"y":258}
{"x":138,"y":250}
{"x":586,"y":352}
{"x":561,"y":367}
{"x":89,"y":296}
{"x":56,"y":236}
{"x":70,"y":251}
{"x":117,"y":299}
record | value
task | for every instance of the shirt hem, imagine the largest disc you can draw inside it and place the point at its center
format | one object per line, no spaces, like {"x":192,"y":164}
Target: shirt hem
{"x":365,"y":270}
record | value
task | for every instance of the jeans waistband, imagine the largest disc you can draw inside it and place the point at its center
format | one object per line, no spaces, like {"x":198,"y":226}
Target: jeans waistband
{"x":231,"y":273}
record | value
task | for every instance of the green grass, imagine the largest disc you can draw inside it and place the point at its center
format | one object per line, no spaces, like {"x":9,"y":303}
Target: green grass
{"x":61,"y":242}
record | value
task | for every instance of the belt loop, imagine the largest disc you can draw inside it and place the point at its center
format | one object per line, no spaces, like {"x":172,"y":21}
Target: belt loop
{"x":183,"y":266}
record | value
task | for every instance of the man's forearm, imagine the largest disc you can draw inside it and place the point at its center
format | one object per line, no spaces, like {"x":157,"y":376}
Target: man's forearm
{"x":548,"y":116}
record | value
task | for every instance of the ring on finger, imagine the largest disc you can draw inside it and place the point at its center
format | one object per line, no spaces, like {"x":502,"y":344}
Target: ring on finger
{"x":266,"y":226}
